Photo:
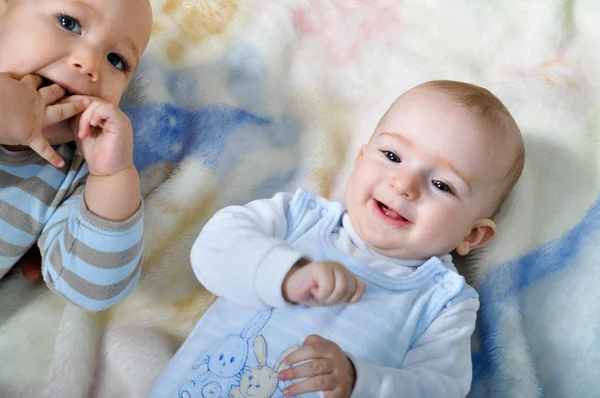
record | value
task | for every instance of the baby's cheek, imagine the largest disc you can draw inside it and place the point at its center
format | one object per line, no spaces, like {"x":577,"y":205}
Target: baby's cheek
{"x":109,"y":90}
{"x":115,"y":91}
{"x":437,"y":223}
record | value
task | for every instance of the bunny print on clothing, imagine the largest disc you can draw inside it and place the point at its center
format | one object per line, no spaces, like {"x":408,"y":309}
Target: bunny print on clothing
{"x":221,"y":367}
{"x":261,"y":381}
{"x":381,"y":331}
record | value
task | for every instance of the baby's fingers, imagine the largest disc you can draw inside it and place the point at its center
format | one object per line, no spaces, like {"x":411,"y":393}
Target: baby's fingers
{"x":85,"y":123}
{"x":52,"y":93}
{"x":323,"y":284}
{"x":64,"y":110}
{"x":326,"y":382}
{"x":39,"y":144}
{"x":344,"y":286}
{"x":312,"y":348}
{"x":360,"y":290}
{"x":308,"y":369}
{"x":33,"y":81}
{"x":109,"y":114}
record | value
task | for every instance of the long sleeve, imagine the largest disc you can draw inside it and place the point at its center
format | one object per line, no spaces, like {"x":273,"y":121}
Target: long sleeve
{"x":438,"y":365}
{"x":91,"y":262}
{"x":241,"y":253}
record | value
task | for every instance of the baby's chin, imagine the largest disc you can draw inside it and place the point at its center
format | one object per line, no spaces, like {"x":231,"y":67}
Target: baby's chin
{"x":408,"y":252}
{"x":405,"y":253}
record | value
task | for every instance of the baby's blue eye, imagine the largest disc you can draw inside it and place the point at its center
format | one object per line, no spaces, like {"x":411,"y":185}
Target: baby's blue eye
{"x":251,"y":378}
{"x":117,"y":61}
{"x":69,"y":23}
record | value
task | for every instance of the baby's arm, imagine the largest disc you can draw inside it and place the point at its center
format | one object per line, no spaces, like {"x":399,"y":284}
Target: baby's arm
{"x":113,"y":187}
{"x":241,"y":253}
{"x":439,"y":364}
{"x":90,"y":261}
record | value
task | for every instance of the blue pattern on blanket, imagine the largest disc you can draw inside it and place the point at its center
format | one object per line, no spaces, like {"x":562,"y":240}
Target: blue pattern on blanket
{"x":506,"y":290}
{"x":220,"y":134}
{"x":177,"y":133}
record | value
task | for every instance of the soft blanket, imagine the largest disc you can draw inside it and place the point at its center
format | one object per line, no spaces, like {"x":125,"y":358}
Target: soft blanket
{"x":238,"y":99}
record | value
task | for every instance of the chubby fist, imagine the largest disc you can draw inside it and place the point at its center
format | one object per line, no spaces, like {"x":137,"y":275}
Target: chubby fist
{"x":320,"y":283}
{"x":105,"y":138}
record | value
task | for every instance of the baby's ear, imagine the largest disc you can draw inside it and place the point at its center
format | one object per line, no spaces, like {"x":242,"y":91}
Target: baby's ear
{"x":360,"y":154}
{"x":481,"y":234}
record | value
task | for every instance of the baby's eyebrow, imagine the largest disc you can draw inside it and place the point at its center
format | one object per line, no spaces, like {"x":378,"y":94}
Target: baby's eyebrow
{"x":90,"y":9}
{"x":397,"y":137}
{"x":132,"y":46}
{"x":440,"y":160}
{"x":447,"y":164}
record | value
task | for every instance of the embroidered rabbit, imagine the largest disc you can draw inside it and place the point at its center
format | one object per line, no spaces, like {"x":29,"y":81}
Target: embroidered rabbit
{"x":223,"y":365}
{"x":261,"y":381}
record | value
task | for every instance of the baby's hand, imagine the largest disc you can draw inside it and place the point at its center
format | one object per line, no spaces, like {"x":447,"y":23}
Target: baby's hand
{"x":105,"y":138}
{"x":31,"y":263}
{"x":322,"y":283}
{"x":328,"y":370}
{"x":27,"y":109}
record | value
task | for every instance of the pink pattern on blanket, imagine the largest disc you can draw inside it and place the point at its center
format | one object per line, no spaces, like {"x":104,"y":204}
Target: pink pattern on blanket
{"x":348,"y":26}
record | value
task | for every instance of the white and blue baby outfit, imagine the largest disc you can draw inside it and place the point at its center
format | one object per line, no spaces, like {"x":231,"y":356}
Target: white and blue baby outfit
{"x":236,"y":350}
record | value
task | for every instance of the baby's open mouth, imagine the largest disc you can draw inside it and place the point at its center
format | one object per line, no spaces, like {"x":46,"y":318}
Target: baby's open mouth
{"x":390,"y":213}
{"x":47,"y":83}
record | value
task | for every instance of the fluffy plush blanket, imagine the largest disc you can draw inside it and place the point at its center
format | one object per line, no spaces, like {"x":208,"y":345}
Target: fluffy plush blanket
{"x":238,"y":99}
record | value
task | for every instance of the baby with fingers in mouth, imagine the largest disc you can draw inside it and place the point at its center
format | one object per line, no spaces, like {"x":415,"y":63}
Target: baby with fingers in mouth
{"x":361,"y":299}
{"x":67,"y":178}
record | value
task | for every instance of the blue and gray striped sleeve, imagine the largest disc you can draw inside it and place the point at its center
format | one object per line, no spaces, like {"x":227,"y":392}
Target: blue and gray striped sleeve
{"x":92,"y":262}
{"x":30,"y":190}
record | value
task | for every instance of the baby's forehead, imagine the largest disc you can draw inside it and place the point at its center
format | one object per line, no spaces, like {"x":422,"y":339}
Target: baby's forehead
{"x":475,"y":153}
{"x":130,"y":21}
{"x":125,"y":16}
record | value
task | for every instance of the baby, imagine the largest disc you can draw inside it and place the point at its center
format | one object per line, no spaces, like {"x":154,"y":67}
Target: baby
{"x":69,"y":183}
{"x":362,"y":300}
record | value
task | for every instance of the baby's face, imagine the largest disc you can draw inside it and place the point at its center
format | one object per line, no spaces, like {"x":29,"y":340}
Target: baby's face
{"x":89,"y":47}
{"x":425,"y":179}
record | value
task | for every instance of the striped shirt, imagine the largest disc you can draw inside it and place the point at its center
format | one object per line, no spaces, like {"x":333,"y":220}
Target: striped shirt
{"x":91,"y":262}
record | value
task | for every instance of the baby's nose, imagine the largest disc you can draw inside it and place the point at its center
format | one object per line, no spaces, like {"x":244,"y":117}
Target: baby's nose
{"x":87,"y":62}
{"x":407,"y":185}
